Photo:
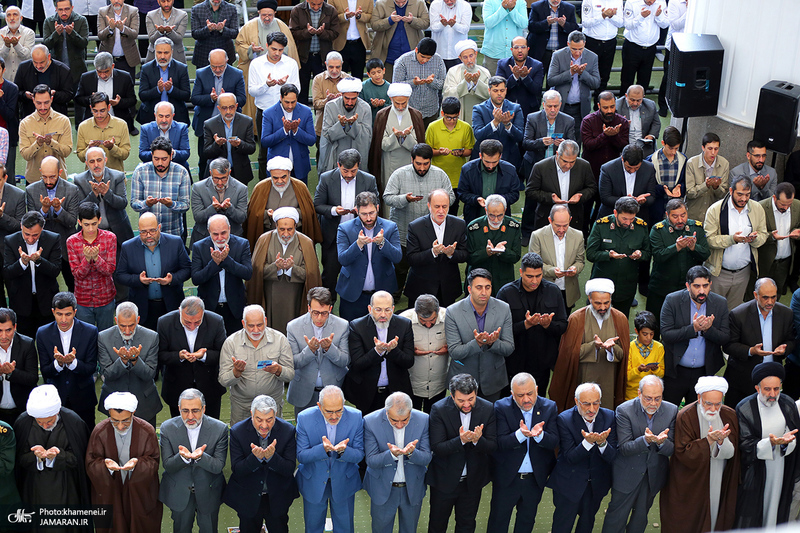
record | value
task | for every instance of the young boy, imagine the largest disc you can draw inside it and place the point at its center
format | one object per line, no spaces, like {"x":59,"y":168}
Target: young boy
{"x":375,"y":89}
{"x":645,"y":356}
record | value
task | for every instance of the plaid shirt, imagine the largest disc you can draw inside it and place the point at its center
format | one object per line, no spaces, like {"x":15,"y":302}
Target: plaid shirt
{"x":94,"y":282}
{"x":176,"y":184}
{"x":3,"y":145}
{"x":315,"y":16}
{"x":668,"y":172}
{"x":552,"y":39}
{"x":206,"y":40}
{"x":424,"y":98}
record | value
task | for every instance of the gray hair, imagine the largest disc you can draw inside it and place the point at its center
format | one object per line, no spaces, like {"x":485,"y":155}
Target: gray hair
{"x":521,"y":379}
{"x":349,"y":158}
{"x":218,"y":216}
{"x":126,"y":309}
{"x":559,"y":207}
{"x":651,"y":379}
{"x":92,"y":149}
{"x":12,"y":7}
{"x":103,"y":60}
{"x":220,"y":164}
{"x":576,"y":36}
{"x":164,"y":102}
{"x":192,"y":394}
{"x":552,"y":94}
{"x":263,"y":404}
{"x":763,"y":281}
{"x":163,"y":40}
{"x":568,"y":147}
{"x":193,"y":306}
{"x":743,"y":179}
{"x":217,"y":50}
{"x":496,"y":199}
{"x":330,"y":390}
{"x":253,"y":307}
{"x":426,"y":306}
{"x":399,"y":401}
{"x":333,"y":55}
{"x":380,"y":294}
{"x":42,"y":48}
{"x":586,"y":387}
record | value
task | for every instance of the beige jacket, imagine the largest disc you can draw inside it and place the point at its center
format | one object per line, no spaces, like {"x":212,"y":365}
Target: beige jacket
{"x":384,"y":31}
{"x":574,"y":255}
{"x":361,"y":23}
{"x":699,"y":197}
{"x":717,"y":241}
{"x":128,"y":34}
{"x":429,"y":373}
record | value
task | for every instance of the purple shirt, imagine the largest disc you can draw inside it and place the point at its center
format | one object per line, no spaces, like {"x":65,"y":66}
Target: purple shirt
{"x":481,"y":319}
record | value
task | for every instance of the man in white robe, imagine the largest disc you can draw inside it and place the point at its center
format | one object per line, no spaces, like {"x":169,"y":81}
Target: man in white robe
{"x":467,"y":81}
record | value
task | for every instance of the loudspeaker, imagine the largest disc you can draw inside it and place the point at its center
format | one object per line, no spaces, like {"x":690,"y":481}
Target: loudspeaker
{"x":695,"y":73}
{"x":776,"y":118}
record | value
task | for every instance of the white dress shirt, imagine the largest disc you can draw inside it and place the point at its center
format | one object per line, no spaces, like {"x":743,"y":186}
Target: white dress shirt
{"x":438,"y":229}
{"x":561,"y":252}
{"x":352,"y":29}
{"x":563,"y":182}
{"x":383,"y":379}
{"x":348,"y":195}
{"x":399,"y":441}
{"x":260,"y":68}
{"x":597,"y":27}
{"x":193,"y":434}
{"x":66,"y":341}
{"x":737,"y":256}
{"x":191,"y":337}
{"x":588,"y":445}
{"x":5,"y":357}
{"x":644,"y":31}
{"x":630,"y":181}
{"x":466,"y":418}
{"x":107,"y":87}
{"x":31,"y":249}
{"x":783,"y":223}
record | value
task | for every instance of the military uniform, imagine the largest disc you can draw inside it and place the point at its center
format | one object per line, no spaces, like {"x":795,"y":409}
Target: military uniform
{"x":607,"y":235}
{"x":501,"y":265}
{"x":669,"y":265}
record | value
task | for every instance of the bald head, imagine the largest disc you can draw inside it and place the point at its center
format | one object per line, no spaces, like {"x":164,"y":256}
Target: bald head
{"x":634,"y":96}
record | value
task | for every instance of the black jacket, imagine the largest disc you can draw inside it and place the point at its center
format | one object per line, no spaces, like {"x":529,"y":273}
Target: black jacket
{"x":60,"y":81}
{"x":18,"y":280}
{"x":123,"y":86}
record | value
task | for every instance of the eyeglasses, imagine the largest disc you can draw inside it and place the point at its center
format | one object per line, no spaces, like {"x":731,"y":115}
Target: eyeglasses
{"x":712,"y":404}
{"x":495,"y":217}
{"x":320,"y":314}
{"x":337,"y":412}
{"x":148,"y":231}
{"x":651,"y":399}
{"x":192,"y":411}
{"x":519,"y":47}
{"x":590,"y":404}
{"x":449,"y":118}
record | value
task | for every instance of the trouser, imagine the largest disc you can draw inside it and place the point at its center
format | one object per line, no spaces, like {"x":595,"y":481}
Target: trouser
{"x":654,"y":304}
{"x":490,"y":64}
{"x":398,"y":505}
{"x":662,"y":89}
{"x":121,"y":63}
{"x":427,"y":121}
{"x":202,"y":160}
{"x":546,"y":57}
{"x":423,"y":404}
{"x":87,"y":415}
{"x":454,"y":206}
{"x":585,"y":509}
{"x":30,"y":324}
{"x":276,"y":523}
{"x":313,"y":66}
{"x":574,"y":110}
{"x":102,"y":316}
{"x":38,"y":17}
{"x":356,"y":309}
{"x":313,"y":403}
{"x":11,"y":163}
{"x":779,"y":272}
{"x":635,"y":504}
{"x":262,"y":151}
{"x":66,"y":273}
{"x":155,"y":309}
{"x":493,"y":397}
{"x":623,"y":305}
{"x":91,"y":20}
{"x":330,"y":266}
{"x":465,"y":499}
{"x":682,"y":384}
{"x":182,"y":521}
{"x":605,"y":50}
{"x":232,"y":322}
{"x":341,"y":512}
{"x":791,"y":385}
{"x":9,"y":416}
{"x":354,"y":57}
{"x":401,"y":273}
{"x":732,"y":285}
{"x":735,"y":395}
{"x":143,"y":44}
{"x":524,"y":494}
{"x":637,"y":62}
{"x":390,"y":72}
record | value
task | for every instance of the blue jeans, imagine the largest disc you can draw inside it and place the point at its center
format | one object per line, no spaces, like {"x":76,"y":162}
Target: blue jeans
{"x":102,"y":317}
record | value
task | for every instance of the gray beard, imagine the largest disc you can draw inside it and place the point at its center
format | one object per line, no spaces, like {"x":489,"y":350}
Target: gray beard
{"x":199,"y":423}
{"x":597,"y":316}
{"x":763,"y":401}
{"x":128,"y":337}
{"x":287,"y":243}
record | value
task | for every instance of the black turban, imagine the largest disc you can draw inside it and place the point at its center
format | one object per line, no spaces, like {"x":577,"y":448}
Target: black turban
{"x":272,"y":4}
{"x":766,"y":370}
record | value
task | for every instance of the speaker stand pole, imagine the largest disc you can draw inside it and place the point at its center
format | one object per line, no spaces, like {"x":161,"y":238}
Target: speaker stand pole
{"x":774,"y":157}
{"x":684,"y":127}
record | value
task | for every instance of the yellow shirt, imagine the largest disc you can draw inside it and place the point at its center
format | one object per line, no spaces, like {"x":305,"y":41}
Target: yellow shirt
{"x":117,"y":128}
{"x":635,"y":359}
{"x":60,"y":146}
{"x":438,"y":136}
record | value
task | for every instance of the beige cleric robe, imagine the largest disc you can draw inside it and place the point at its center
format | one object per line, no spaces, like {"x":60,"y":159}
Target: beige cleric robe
{"x":456,"y":85}
{"x":283,"y":295}
{"x":594,"y":364}
{"x":275,"y":200}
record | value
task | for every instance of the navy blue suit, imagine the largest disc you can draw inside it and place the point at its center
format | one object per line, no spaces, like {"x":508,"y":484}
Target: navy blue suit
{"x":232,"y":82}
{"x":470,"y":187}
{"x":248,"y":474}
{"x":581,"y":477}
{"x":277,"y":142}
{"x":527,"y":92}
{"x":174,"y":259}
{"x":178,"y":136}
{"x":8,"y":110}
{"x":508,"y":490}
{"x":75,"y":387}
{"x":354,"y":260}
{"x":482,"y":126}
{"x":539,"y":29}
{"x":149,"y":95}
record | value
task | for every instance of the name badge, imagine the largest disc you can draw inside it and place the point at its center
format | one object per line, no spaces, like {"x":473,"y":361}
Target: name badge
{"x":609,"y":241}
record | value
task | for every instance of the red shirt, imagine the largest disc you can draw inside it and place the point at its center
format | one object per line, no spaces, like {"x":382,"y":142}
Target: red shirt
{"x":94,"y":282}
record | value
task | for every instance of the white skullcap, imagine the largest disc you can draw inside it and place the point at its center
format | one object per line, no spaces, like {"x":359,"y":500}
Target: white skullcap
{"x":709,"y":383}
{"x":599,"y":285}
{"x":349,"y":85}
{"x":399,"y":89}
{"x":466,"y":44}
{"x":43,"y":402}
{"x":279,"y":163}
{"x":286,"y":212}
{"x":121,"y":401}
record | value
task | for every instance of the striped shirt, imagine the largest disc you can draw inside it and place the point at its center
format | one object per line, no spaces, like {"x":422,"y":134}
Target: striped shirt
{"x":425,"y":97}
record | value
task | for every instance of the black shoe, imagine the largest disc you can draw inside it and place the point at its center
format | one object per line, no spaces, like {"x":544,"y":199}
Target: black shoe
{"x":663,"y":112}
{"x":635,"y":303}
{"x":133,"y":132}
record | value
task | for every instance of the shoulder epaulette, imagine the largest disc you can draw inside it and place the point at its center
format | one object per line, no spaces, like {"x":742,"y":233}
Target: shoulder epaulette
{"x":513,"y":223}
{"x":604,"y":220}
{"x":659,"y":225}
{"x":474,"y":227}
{"x":641,"y":222}
{"x":697,"y":222}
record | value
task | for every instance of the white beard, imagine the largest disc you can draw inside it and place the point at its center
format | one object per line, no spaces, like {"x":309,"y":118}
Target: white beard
{"x":597,"y":316}
{"x":122,"y":433}
{"x":256,"y":336}
{"x":763,"y":400}
{"x":709,"y":417}
{"x":128,"y":337}
{"x":14,"y":27}
{"x":199,"y":422}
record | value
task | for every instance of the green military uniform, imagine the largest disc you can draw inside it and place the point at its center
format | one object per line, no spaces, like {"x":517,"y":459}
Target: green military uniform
{"x":670,"y":265}
{"x":607,"y":235}
{"x":8,"y":452}
{"x":501,"y":265}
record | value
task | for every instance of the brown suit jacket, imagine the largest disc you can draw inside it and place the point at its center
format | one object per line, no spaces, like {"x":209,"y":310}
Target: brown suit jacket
{"x":298,"y":24}
{"x":128,"y":34}
{"x":768,"y":250}
{"x":366,"y":16}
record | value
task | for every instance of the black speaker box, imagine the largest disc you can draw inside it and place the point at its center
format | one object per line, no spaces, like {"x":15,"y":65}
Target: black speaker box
{"x":776,"y":118}
{"x":695,"y":72}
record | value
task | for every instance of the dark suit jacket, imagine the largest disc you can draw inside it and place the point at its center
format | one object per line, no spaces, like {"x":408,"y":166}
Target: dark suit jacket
{"x":123,"y":86}
{"x":298,"y":24}
{"x":677,"y":330}
{"x":544,"y":182}
{"x":527,"y":92}
{"x":232,"y":82}
{"x":577,"y":466}
{"x":329,"y":194}
{"x":354,"y":260}
{"x":178,"y":136}
{"x":65,"y":223}
{"x":745,"y":332}
{"x":242,"y":127}
{"x":77,"y":41}
{"x":26,"y":375}
{"x":482,"y":126}
{"x":511,"y":452}
{"x":238,"y":269}
{"x":116,"y":201}
{"x":536,"y":131}
{"x":9,"y":110}
{"x":450,"y":455}
{"x":278,"y":143}
{"x":651,"y":122}
{"x":179,"y":376}
{"x":149,"y":95}
{"x":75,"y":387}
{"x":361,"y":382}
{"x":612,"y":187}
{"x":27,"y":78}
{"x":18,"y":280}
{"x":539,"y":29}
{"x":768,"y":250}
{"x":559,"y":78}
{"x":428,"y":274}
{"x":470,"y":187}
{"x":246,"y":483}
{"x":15,"y":208}
{"x":174,"y":259}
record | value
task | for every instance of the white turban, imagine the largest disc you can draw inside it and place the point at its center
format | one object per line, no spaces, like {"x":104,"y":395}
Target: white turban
{"x":279,"y":163}
{"x":399,"y":89}
{"x":43,"y":402}
{"x":709,"y":383}
{"x":349,"y":85}
{"x":121,"y":401}
{"x":599,"y":285}
{"x":286,"y":212}
{"x":466,"y":44}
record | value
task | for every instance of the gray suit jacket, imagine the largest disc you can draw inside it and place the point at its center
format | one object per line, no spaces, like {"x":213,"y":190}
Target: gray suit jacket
{"x":536,"y":131}
{"x":635,"y":456}
{"x":115,"y":201}
{"x":63,"y":224}
{"x":758,"y":194}
{"x":204,"y":474}
{"x":487,"y":364}
{"x":181,"y":22}
{"x":559,"y":78}
{"x":574,"y":255}
{"x":332,"y":365}
{"x":768,"y":250}
{"x":329,"y":195}
{"x":202,"y":193}
{"x":651,"y":122}
{"x":14,"y":199}
{"x":137,"y":379}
